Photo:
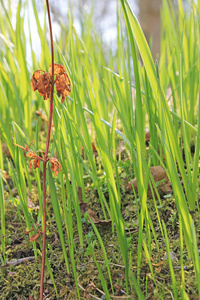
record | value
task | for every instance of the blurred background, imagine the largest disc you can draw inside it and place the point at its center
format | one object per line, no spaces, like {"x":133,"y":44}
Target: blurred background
{"x":104,"y":17}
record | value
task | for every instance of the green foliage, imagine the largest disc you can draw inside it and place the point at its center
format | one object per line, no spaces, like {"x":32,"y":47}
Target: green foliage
{"x":106,"y":107}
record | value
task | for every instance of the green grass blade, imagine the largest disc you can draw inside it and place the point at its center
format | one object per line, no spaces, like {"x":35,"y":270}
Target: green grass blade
{"x":170,"y":263}
{"x":56,"y":208}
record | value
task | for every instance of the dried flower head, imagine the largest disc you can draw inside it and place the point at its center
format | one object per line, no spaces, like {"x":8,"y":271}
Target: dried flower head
{"x":62,"y":86}
{"x":42,"y":81}
{"x":58,"y":69}
{"x":55,"y":165}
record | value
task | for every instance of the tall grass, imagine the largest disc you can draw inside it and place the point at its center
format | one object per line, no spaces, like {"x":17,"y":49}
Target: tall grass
{"x":104,"y":94}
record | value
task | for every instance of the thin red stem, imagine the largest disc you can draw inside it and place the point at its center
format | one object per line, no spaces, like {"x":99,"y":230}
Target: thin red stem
{"x":46,"y":159}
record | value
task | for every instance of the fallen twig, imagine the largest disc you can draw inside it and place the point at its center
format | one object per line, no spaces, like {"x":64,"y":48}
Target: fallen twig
{"x":19,"y":261}
{"x":82,"y":288}
{"x":101,"y":292}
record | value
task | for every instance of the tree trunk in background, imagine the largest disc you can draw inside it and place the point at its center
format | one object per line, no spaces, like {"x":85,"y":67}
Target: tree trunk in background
{"x":149,"y":16}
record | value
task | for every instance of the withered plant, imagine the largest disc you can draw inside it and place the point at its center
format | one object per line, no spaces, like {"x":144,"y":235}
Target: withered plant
{"x":44,"y":82}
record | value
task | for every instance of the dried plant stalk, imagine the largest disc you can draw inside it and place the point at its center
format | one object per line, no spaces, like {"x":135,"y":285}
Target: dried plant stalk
{"x":45,"y":157}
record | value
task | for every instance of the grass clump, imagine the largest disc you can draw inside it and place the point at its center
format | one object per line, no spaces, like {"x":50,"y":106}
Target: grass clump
{"x":114,"y":227}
